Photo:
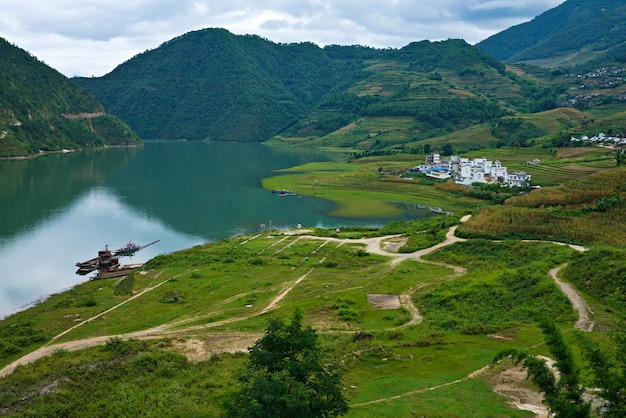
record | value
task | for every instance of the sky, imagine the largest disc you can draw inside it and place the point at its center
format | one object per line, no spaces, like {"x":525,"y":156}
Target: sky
{"x":92,"y":37}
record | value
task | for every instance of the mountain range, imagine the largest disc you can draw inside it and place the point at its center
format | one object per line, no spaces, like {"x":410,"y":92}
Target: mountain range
{"x":213,"y":85}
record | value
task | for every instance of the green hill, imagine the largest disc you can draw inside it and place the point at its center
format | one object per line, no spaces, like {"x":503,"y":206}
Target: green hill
{"x":211,"y":84}
{"x":42,"y":110}
{"x":573,"y":33}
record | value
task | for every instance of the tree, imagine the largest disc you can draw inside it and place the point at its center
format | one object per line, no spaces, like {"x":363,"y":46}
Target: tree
{"x":285,"y":376}
{"x":609,"y":371}
{"x":447,"y":149}
{"x":620,"y":157}
{"x":563,"y":396}
{"x":426,"y":148}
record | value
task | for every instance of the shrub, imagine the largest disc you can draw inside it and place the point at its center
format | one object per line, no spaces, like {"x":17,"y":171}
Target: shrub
{"x":172,"y":297}
{"x":349,"y":315}
{"x":118,"y":347}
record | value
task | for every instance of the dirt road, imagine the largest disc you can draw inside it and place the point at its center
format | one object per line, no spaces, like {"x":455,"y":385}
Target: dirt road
{"x":579,"y":304}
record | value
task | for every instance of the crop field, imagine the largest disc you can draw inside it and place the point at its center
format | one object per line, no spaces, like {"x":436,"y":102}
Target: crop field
{"x":477,"y":137}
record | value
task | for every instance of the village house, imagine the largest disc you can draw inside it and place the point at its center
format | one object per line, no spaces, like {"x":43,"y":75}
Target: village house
{"x":600,"y":140}
{"x":517,"y":179}
{"x":467,"y":172}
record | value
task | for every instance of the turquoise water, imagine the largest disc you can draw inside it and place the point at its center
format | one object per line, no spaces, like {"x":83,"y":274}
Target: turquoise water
{"x":63,"y":208}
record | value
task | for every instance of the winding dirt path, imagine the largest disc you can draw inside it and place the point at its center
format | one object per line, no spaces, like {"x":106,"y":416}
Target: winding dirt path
{"x":579,"y":304}
{"x":472,"y":375}
{"x":416,"y":317}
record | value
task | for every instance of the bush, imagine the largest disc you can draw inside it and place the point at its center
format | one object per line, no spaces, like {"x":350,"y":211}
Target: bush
{"x":118,"y":347}
{"x":349,"y":315}
{"x":172,"y":297}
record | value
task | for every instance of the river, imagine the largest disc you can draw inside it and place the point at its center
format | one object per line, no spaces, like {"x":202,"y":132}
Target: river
{"x":59,"y":209}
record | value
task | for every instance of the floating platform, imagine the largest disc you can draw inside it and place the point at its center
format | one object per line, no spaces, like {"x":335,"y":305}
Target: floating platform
{"x":283,"y":192}
{"x":116,"y":272}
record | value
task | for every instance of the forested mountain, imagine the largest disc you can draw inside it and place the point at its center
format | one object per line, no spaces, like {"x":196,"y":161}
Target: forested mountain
{"x":573,"y":33}
{"x":211,"y":84}
{"x":42,"y":110}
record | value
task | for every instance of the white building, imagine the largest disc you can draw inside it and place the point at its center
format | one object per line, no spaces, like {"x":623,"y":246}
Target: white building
{"x":438,"y":173}
{"x":467,"y":172}
{"x":517,"y":179}
{"x":433,"y":159}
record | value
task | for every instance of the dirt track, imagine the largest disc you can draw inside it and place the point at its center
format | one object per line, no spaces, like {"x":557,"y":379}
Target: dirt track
{"x":579,"y":304}
{"x":232,"y":342}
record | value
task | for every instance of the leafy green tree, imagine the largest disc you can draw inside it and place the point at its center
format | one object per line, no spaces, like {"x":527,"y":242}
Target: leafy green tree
{"x":620,"y":157}
{"x":447,"y":149}
{"x":563,"y":396}
{"x":426,"y":148}
{"x":609,"y":370}
{"x":286,"y":377}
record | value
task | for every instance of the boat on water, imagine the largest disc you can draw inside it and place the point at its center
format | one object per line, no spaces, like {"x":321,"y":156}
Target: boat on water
{"x":85,"y":267}
{"x":283,"y":192}
{"x":131,"y":248}
{"x":108,"y":264}
{"x":128,"y":249}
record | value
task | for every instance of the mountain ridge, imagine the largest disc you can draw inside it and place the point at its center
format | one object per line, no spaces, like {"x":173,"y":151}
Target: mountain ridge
{"x":230,"y":70}
{"x":211,"y":84}
{"x":571,"y":34}
{"x":42,"y":110}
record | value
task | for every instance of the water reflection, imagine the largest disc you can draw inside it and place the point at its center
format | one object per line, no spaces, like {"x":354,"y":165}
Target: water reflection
{"x":61,"y":209}
{"x":40,"y":261}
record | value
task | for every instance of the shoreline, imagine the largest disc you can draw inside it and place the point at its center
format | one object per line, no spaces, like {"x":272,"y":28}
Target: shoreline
{"x":64,"y":151}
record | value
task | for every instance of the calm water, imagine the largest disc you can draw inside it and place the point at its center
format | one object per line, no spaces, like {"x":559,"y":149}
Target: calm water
{"x":60,"y":209}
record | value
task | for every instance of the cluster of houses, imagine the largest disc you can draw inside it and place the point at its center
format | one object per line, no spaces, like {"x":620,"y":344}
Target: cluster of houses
{"x":600,"y":140}
{"x":467,"y":171}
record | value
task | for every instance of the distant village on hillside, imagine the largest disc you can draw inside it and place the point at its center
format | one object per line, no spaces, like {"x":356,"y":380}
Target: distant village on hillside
{"x":600,"y":139}
{"x":467,"y":171}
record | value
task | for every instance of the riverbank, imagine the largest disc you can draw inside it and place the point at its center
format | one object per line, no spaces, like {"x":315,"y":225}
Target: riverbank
{"x":66,"y":151}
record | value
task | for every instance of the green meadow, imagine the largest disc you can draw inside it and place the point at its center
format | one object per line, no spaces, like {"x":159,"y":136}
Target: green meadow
{"x":174,"y":332}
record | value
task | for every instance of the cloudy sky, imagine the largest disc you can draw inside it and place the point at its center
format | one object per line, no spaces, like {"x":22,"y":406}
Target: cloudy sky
{"x":92,"y":37}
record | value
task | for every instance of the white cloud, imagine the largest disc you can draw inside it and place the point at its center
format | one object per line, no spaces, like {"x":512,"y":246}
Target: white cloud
{"x":91,"y":37}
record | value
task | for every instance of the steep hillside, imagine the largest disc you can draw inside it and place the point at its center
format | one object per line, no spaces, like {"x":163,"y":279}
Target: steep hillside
{"x":571,"y":34}
{"x":40,"y":109}
{"x":432,"y":94}
{"x":211,"y":84}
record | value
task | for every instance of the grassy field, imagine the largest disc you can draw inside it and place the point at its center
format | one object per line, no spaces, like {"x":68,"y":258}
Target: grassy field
{"x":362,"y":192}
{"x":218,"y":297}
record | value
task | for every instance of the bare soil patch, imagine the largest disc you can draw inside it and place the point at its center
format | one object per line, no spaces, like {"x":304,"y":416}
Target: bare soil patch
{"x":513,"y":384}
{"x":201,"y":348}
{"x":384,"y":301}
{"x":348,"y":127}
{"x":394,"y":244}
{"x":573,"y":152}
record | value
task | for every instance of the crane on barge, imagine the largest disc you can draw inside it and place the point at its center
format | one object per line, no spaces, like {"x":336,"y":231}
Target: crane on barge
{"x":107,"y":262}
